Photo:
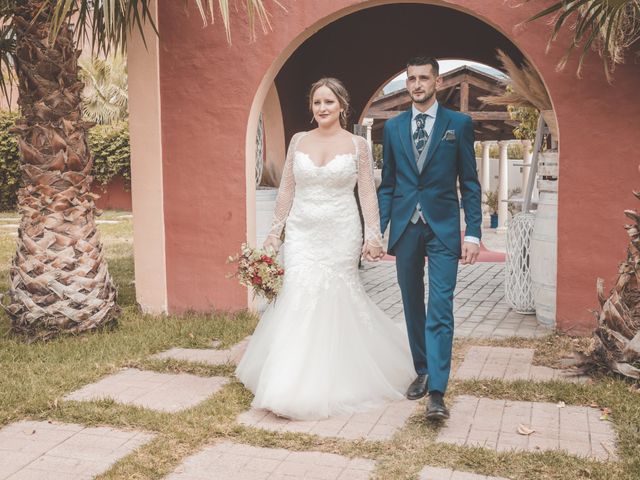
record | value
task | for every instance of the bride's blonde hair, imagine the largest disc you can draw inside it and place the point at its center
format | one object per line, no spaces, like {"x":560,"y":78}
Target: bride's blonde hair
{"x":339,"y":90}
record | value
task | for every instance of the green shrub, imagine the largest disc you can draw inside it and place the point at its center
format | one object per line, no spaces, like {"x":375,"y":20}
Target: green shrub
{"x":109,"y":145}
{"x":9,"y":164}
{"x":111,"y":152}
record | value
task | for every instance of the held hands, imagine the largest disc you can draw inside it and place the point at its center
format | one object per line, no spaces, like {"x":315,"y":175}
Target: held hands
{"x":272,"y":243}
{"x":470,"y":252}
{"x":372,"y":253}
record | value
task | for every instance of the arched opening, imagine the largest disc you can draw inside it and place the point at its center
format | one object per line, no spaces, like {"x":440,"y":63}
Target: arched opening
{"x":367,"y":48}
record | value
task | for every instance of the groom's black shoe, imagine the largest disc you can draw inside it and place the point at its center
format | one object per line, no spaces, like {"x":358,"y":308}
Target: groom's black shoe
{"x":418,"y":388}
{"x":436,"y":409}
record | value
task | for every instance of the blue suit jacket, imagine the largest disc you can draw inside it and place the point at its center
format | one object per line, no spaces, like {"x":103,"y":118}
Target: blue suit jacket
{"x":435,"y":186}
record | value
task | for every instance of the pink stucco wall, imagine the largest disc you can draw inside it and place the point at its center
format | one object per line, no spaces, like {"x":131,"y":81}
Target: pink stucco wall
{"x":207,"y":91}
{"x":115,"y":195}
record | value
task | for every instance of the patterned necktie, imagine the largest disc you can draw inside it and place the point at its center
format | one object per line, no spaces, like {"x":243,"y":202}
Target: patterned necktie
{"x":420,"y":135}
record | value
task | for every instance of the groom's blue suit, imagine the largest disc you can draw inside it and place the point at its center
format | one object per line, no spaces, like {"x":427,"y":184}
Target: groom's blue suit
{"x":430,"y":180}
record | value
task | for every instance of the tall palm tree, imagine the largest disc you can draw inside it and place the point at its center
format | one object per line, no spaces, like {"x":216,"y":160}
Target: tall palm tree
{"x":608,"y":26}
{"x":59,"y":278}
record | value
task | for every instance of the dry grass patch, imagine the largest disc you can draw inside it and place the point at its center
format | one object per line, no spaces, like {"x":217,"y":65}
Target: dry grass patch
{"x":551,"y":351}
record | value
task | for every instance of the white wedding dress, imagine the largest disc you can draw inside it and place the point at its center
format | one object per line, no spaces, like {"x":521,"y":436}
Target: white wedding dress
{"x":323,"y":347}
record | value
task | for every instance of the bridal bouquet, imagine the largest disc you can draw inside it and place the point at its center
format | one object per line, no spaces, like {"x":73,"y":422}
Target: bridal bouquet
{"x":257,"y":270}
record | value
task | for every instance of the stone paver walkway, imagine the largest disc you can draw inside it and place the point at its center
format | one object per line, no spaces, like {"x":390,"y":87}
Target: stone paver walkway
{"x":434,"y":473}
{"x":157,"y":391}
{"x":375,"y":425}
{"x":62,"y":451}
{"x":494,"y":424}
{"x":480,"y":310}
{"x":508,"y":364}
{"x":227,"y":461}
{"x":209,"y":356}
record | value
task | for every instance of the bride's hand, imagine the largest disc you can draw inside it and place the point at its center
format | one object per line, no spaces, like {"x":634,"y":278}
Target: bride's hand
{"x":272,"y":243}
{"x":372,"y":253}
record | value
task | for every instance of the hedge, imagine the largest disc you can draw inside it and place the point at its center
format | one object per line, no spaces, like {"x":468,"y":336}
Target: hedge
{"x":109,"y":145}
{"x":9,"y":165}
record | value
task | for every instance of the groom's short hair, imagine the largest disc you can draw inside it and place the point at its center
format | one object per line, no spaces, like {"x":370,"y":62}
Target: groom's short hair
{"x":423,"y":60}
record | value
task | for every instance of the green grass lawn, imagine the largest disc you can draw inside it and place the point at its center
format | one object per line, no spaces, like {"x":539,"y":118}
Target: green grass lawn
{"x":34,"y":378}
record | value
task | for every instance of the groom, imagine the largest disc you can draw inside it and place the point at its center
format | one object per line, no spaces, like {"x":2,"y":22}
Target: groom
{"x":427,"y":150}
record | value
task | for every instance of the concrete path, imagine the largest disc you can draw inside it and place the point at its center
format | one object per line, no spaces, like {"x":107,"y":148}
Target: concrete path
{"x":157,"y":391}
{"x":508,"y":364}
{"x":232,"y":461}
{"x":480,"y":310}
{"x":375,"y":425}
{"x":61,"y":451}
{"x":504,"y":425}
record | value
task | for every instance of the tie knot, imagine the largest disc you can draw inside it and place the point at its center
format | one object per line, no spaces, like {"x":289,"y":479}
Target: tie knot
{"x":420,"y":119}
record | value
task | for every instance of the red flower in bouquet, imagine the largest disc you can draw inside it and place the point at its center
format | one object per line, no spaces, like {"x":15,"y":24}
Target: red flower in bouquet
{"x":257,"y":270}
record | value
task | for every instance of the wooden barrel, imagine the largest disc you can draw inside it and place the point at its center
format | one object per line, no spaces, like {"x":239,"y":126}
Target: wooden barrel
{"x":265,"y":204}
{"x":548,"y":164}
{"x":544,"y":253}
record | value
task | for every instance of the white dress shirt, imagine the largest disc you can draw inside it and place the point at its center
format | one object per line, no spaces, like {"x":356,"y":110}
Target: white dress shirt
{"x":428,"y":127}
{"x":428,"y":122}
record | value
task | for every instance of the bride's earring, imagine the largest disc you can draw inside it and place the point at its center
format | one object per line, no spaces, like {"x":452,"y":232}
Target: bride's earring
{"x":312,"y":119}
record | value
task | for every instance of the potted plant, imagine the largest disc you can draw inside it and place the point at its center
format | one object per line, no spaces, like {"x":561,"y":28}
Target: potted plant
{"x":491,"y":201}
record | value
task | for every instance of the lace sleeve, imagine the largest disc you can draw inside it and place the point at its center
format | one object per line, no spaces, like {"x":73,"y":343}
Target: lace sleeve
{"x":367,"y":194}
{"x":284,"y":200}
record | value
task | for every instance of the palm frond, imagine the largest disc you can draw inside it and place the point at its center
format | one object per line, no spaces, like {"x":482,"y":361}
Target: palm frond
{"x":105,"y":97}
{"x":7,"y":48}
{"x":107,"y":25}
{"x":610,"y":27}
{"x":525,"y":88}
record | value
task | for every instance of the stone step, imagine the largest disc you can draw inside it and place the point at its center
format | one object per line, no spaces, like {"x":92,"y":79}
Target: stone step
{"x":47,"y":450}
{"x":434,"y":473}
{"x":156,"y":391}
{"x":508,"y":364}
{"x":209,"y":356}
{"x":493,"y":424}
{"x":234,"y":461}
{"x":376,"y":425}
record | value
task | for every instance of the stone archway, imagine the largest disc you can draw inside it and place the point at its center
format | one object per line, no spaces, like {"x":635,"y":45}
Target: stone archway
{"x":208,"y":97}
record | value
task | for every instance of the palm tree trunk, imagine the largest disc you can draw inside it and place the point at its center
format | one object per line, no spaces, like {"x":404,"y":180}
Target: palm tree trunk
{"x":60,"y":282}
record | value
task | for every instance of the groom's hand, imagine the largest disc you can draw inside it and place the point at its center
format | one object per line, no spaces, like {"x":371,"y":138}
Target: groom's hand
{"x":371,"y":253}
{"x":470,"y":252}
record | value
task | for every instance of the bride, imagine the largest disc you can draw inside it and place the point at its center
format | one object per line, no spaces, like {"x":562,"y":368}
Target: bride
{"x":323,"y":348}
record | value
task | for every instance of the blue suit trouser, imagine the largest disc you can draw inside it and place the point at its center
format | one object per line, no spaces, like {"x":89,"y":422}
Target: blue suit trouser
{"x":430,"y":330}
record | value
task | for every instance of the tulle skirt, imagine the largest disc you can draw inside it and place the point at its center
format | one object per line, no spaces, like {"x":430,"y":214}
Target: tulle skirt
{"x":324,"y":348}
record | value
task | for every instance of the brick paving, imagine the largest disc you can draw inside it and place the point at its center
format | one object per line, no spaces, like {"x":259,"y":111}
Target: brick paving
{"x":434,"y":473}
{"x":156,"y":391}
{"x":508,"y":364}
{"x":493,"y":424}
{"x":379,"y":424}
{"x":209,"y":356}
{"x":233,"y":461}
{"x":62,"y":451}
{"x":479,"y":308}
